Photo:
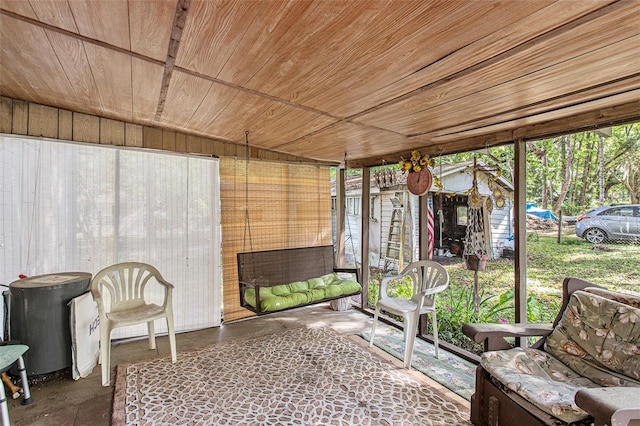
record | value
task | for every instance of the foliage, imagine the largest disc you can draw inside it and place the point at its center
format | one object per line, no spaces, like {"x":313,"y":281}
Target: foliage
{"x":591,"y":158}
{"x":415,"y":163}
{"x":455,"y":307}
{"x":564,"y":172}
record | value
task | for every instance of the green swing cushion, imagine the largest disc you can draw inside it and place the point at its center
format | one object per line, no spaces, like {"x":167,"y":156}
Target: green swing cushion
{"x":283,"y":296}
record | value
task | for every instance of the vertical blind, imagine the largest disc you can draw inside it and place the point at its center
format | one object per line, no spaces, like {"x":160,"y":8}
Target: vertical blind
{"x":79,"y":207}
{"x":289,"y":206}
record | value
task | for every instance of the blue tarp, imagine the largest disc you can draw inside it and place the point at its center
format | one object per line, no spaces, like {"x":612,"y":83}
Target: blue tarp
{"x":533,"y":209}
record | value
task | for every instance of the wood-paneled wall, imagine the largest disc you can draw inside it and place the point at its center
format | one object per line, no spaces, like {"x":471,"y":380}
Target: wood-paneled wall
{"x":20,"y":117}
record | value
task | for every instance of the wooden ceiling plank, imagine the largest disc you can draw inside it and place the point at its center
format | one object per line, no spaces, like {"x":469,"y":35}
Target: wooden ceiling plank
{"x":16,"y":85}
{"x":146,"y":82}
{"x":304,"y":46}
{"x":545,"y":116}
{"x":577,"y":79}
{"x":184,"y":97}
{"x":56,"y":13}
{"x":416,"y":114}
{"x":22,"y":8}
{"x":107,"y":21}
{"x":267,"y":117}
{"x":616,"y":114}
{"x":444,"y":28}
{"x":333,"y":58}
{"x":283,"y":123}
{"x":273,"y":28}
{"x":75,"y":65}
{"x":565,"y":101}
{"x":518,"y":35}
{"x":150,"y":25}
{"x":112,"y":73}
{"x":212,"y":31}
{"x":237,"y":116}
{"x":344,"y":137}
{"x":34,"y":66}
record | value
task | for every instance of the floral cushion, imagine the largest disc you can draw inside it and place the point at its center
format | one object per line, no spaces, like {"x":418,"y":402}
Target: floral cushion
{"x":627,"y":299}
{"x":540,"y":379}
{"x":599,"y":338}
{"x":596,"y":343}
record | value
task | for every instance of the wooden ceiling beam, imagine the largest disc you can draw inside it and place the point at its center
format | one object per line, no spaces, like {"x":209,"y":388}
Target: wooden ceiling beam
{"x":182,"y":10}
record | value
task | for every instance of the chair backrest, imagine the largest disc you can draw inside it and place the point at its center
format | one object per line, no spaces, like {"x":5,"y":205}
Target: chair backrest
{"x":285,"y":265}
{"x":428,"y":278}
{"x":122,"y":286}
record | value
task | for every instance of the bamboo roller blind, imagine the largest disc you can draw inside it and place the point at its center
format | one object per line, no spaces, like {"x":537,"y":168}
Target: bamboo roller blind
{"x":289,"y":206}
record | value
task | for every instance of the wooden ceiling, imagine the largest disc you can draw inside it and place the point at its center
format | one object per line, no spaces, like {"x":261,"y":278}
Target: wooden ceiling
{"x":321,"y":79}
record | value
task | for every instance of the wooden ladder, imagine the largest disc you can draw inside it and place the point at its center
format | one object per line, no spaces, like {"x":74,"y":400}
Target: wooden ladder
{"x":395,"y":236}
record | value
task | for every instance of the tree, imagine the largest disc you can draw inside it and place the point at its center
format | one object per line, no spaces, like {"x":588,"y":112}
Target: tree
{"x":567,"y":157}
{"x":631,"y":165}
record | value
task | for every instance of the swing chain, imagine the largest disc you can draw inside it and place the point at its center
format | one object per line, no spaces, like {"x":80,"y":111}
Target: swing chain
{"x":247,"y":223}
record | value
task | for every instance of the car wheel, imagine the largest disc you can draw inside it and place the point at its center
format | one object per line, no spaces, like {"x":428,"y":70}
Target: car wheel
{"x":595,"y":235}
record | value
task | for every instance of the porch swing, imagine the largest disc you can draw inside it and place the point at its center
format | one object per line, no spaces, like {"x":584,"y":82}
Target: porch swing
{"x":276,"y":280}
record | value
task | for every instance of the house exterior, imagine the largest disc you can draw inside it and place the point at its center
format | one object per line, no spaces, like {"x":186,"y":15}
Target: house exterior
{"x":393,"y":221}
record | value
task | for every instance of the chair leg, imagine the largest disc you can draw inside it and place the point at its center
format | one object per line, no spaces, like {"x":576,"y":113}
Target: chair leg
{"x":410,"y":325}
{"x":4,"y":408}
{"x":435,"y":333}
{"x":373,"y":326}
{"x":105,"y":353}
{"x":152,"y":335}
{"x":26,"y":398}
{"x":172,"y":335}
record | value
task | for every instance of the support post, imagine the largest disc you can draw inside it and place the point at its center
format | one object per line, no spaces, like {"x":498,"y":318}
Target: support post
{"x":520,"y":232}
{"x":340,"y":217}
{"x":423,"y":223}
{"x":364,"y":234}
{"x":423,"y":248}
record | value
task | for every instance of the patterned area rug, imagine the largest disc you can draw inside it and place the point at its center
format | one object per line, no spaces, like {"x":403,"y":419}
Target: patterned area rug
{"x":296,"y":377}
{"x":449,"y":370}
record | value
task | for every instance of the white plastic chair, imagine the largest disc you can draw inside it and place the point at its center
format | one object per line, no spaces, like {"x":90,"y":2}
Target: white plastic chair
{"x":119,"y":291}
{"x":428,"y":278}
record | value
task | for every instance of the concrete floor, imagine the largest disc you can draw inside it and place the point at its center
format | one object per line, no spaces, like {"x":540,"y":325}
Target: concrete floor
{"x":64,"y":401}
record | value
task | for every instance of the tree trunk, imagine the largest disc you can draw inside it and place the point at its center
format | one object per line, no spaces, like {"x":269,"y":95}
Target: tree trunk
{"x":566,"y":172}
{"x":545,"y":165}
{"x":585,"y":175}
{"x":600,"y":171}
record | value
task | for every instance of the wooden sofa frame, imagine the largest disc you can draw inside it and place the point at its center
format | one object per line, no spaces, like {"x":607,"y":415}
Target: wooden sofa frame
{"x":494,"y":404}
{"x":274,"y":267}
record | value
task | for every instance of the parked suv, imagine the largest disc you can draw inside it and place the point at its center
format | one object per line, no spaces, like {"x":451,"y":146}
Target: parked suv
{"x":621,"y":222}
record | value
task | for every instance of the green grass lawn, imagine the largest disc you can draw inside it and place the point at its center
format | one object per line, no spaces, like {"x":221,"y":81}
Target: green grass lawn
{"x":617,"y":267}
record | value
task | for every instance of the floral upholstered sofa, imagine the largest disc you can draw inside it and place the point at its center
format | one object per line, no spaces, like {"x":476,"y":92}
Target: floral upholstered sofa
{"x":594,"y":343}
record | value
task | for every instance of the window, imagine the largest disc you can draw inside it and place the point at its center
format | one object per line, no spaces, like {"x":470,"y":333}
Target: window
{"x":372,"y":208}
{"x":619,"y":211}
{"x":353,"y":206}
{"x":461,"y":215}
